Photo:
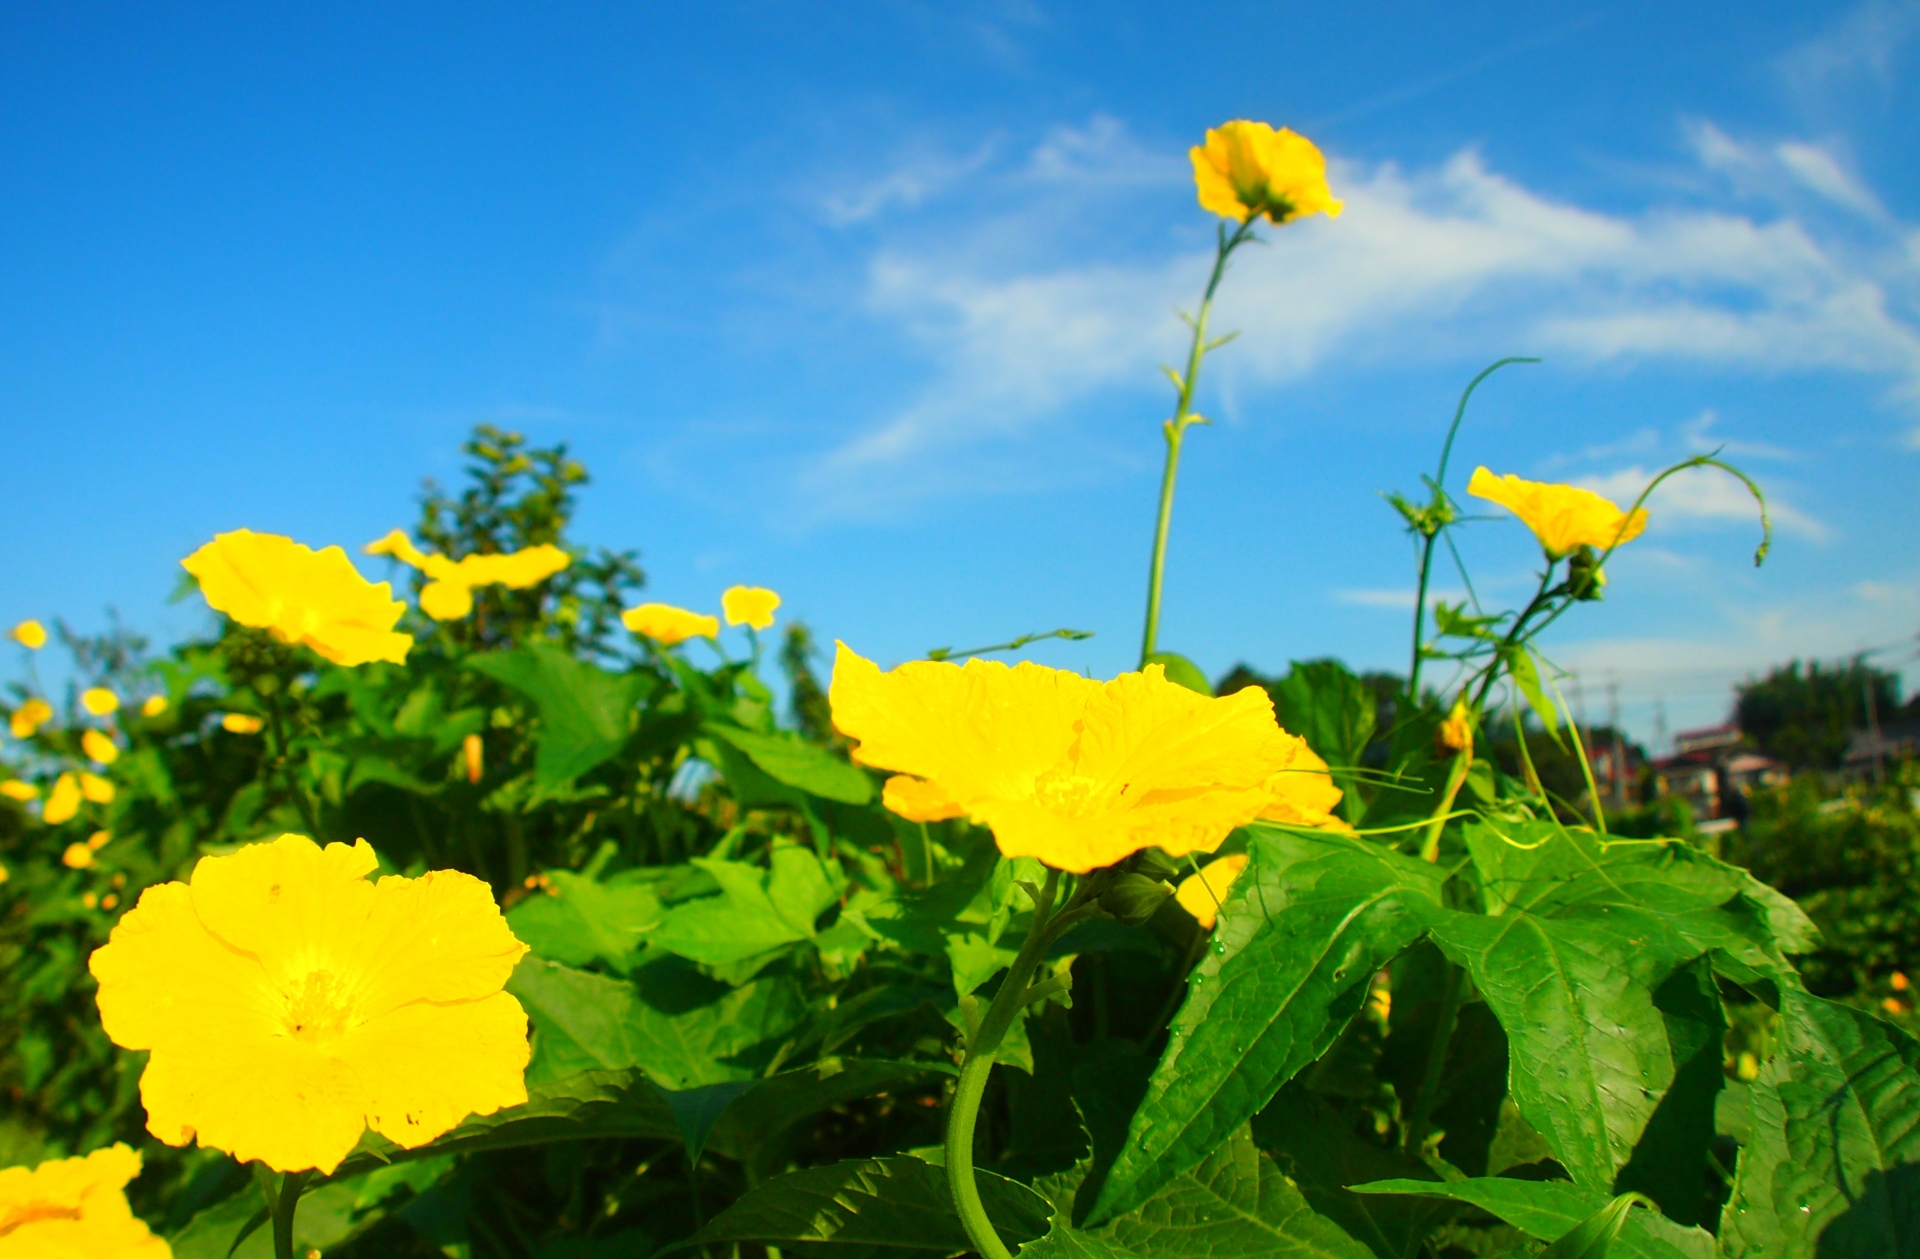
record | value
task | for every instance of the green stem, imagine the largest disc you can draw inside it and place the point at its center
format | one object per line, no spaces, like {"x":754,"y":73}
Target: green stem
{"x":288,"y":1198}
{"x":1430,"y":847}
{"x":1176,"y":430}
{"x":1541,"y":598}
{"x":964,"y":1112}
{"x":276,"y":723}
{"x":1436,"y":1059}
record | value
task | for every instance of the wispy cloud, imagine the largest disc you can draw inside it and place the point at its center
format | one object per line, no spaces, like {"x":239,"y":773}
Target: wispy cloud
{"x":1866,"y":41}
{"x":1395,"y":598}
{"x":1701,"y":494}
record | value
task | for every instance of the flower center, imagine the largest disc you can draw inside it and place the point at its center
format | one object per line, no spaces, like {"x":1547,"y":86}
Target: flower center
{"x":319,"y":1010}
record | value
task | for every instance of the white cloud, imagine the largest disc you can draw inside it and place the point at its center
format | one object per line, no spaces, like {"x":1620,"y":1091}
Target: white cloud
{"x":1865,"y":41}
{"x":1700,"y":494}
{"x":1424,"y":261}
{"x":1821,"y":172}
{"x":907,"y":186}
{"x":1397,"y":599}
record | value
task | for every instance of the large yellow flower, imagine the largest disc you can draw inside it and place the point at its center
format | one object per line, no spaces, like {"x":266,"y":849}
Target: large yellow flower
{"x":667,"y":625}
{"x":749,"y":605}
{"x":1075,"y":772}
{"x":1564,"y":517}
{"x":75,"y":1208}
{"x":1247,"y":169}
{"x":289,"y":1003}
{"x":314,"y":598}
{"x":29,"y":717}
{"x":448,"y":594}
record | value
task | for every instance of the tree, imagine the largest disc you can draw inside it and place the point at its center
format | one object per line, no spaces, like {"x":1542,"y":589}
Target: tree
{"x":1804,"y":715}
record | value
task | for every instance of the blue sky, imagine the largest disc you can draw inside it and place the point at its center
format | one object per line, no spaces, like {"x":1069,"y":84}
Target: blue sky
{"x":865,"y":302}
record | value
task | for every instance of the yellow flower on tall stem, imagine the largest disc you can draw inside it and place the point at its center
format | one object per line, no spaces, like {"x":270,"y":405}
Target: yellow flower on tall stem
{"x":63,"y":802}
{"x":99,"y":701}
{"x":29,"y":717}
{"x":1246,"y":170}
{"x":29,"y":634}
{"x":95,"y":788}
{"x":1564,"y":517}
{"x":1077,"y":773}
{"x":752,"y":606}
{"x":75,"y":1208}
{"x":316,"y":599}
{"x":668,"y":625}
{"x":14,"y":789}
{"x":289,"y":1004}
{"x":99,"y":747}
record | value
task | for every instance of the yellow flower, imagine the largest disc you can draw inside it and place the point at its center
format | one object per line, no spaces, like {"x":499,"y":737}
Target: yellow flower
{"x":667,"y":625}
{"x":75,"y":1208}
{"x":1563,"y":517}
{"x":1075,"y":772}
{"x":99,"y":840}
{"x":473,"y":755}
{"x":5,"y":874}
{"x":242,"y":723}
{"x":313,"y":598}
{"x":289,"y":1004}
{"x":1202,"y":894}
{"x":749,"y":605}
{"x":448,"y":594}
{"x":153,"y":706}
{"x":1455,"y":734}
{"x":99,"y":701}
{"x":99,"y":747}
{"x":14,"y":789}
{"x":96,"y":788}
{"x":62,"y":802}
{"x":29,"y":634}
{"x":77,"y":856}
{"x":29,"y":717}
{"x":1247,"y":169}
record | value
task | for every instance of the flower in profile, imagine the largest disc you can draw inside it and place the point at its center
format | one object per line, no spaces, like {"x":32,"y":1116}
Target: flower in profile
{"x":1455,"y":735}
{"x":312,"y":598}
{"x":448,"y":594}
{"x":289,"y":1004}
{"x":242,"y":723}
{"x":752,"y":606}
{"x":29,"y":634}
{"x":1204,"y":893}
{"x":153,"y":706}
{"x":62,"y":802}
{"x":1563,"y":517}
{"x":14,"y":789}
{"x":1075,"y":772}
{"x":99,"y":747}
{"x":1246,"y":169}
{"x":29,"y":717}
{"x":77,"y":857}
{"x":75,"y":1207}
{"x":95,"y":788}
{"x":667,"y":625}
{"x":99,"y":701}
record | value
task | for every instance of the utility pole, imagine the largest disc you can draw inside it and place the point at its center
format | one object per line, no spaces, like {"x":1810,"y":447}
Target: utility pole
{"x":1660,"y":727}
{"x":1619,"y":758}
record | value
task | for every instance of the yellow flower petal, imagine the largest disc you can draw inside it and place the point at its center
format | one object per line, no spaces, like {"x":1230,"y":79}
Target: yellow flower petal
{"x":1202,"y":894}
{"x":29,"y":634}
{"x":29,"y":717}
{"x":667,"y":625}
{"x":1247,"y":168}
{"x":242,"y":723}
{"x":1065,"y":769}
{"x":749,"y":605}
{"x":397,"y":544}
{"x":77,"y":857}
{"x":917,"y":800}
{"x":95,"y":788}
{"x":288,"y":1003}
{"x":99,"y":747}
{"x":313,"y":598}
{"x":446,"y":600}
{"x":153,"y":706}
{"x":14,"y":789}
{"x":99,"y":701}
{"x":1563,"y":517}
{"x":517,"y":569}
{"x":75,"y":1207}
{"x":62,"y":802}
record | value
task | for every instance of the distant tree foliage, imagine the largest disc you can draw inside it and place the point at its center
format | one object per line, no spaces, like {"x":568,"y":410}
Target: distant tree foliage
{"x":1803,"y":713}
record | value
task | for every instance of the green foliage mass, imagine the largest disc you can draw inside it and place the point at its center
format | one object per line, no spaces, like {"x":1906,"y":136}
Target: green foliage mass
{"x":1466,"y":1021}
{"x":1804,"y":714}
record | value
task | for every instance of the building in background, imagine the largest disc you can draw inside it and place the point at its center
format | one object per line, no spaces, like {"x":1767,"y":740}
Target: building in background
{"x":1714,"y":770}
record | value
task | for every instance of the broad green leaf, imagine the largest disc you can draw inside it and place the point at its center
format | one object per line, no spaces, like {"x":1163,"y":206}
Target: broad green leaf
{"x":582,"y":920}
{"x":752,"y":1124}
{"x":1236,"y":1202}
{"x":586,"y":714}
{"x":1552,"y":1209}
{"x":678,"y":1027}
{"x":872,"y":1207}
{"x":797,"y":763}
{"x":1595,"y":1236}
{"x":1526,"y":675}
{"x":1334,"y":711}
{"x":1832,"y":1165}
{"x":1303,"y":932}
{"x":1473,"y":1081}
{"x":1671,"y":1162}
{"x":330,"y":1215}
{"x":1181,"y":671}
{"x":756,"y":912}
{"x":697,"y":1109}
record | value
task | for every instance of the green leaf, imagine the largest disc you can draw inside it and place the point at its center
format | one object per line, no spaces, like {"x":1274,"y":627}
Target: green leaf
{"x":872,"y":1207}
{"x":1833,"y":1163}
{"x":1671,"y":1163}
{"x":797,"y":763}
{"x":1526,"y":675}
{"x":1594,"y":1237}
{"x":1552,"y":1209}
{"x":757,"y":911}
{"x":586,"y":714}
{"x":1236,"y":1202}
{"x":1334,"y":711}
{"x":1304,"y":930}
{"x":583,"y":920}
{"x":696,"y":1110}
{"x":755,"y":1121}
{"x":330,"y":1215}
{"x":675,"y":1025}
{"x":1181,"y":671}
